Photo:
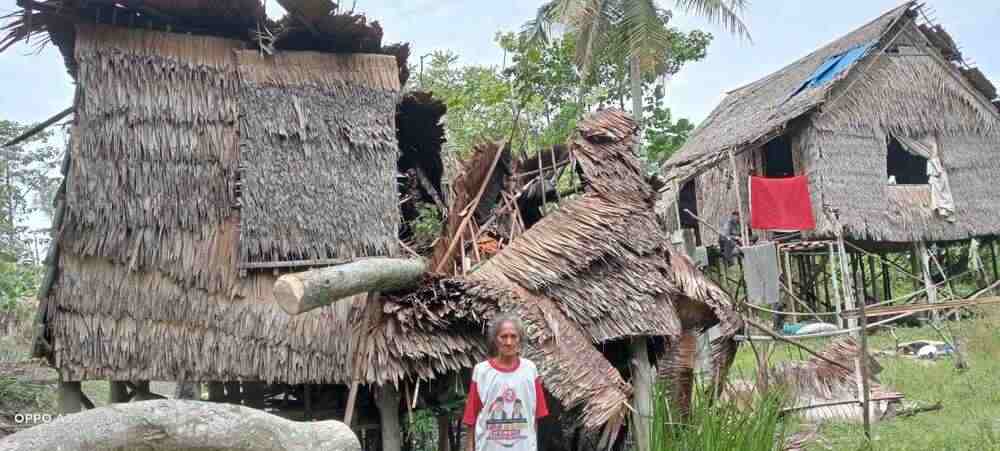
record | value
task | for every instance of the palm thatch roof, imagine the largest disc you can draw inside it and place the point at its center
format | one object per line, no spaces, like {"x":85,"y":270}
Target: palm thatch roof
{"x":755,"y":113}
{"x":909,"y":80}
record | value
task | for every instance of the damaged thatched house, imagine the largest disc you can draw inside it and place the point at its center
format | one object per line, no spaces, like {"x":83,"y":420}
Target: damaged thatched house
{"x":894,"y":132}
{"x":596,"y":271}
{"x":213,"y":151}
{"x":884,"y":138}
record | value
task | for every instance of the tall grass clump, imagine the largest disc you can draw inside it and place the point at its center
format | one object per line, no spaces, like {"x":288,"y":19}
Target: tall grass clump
{"x":719,"y":425}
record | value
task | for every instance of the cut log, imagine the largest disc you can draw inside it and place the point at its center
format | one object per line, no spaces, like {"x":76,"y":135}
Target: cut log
{"x":173,"y":425}
{"x":300,"y":292}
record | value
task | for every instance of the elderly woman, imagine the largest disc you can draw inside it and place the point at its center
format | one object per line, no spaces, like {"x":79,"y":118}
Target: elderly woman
{"x":511,"y":385}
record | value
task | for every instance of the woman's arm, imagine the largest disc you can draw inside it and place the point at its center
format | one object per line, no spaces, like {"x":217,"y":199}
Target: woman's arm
{"x":470,"y":438}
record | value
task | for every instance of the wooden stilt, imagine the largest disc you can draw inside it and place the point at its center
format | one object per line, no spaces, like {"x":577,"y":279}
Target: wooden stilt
{"x":388,"y":409}
{"x":70,"y":397}
{"x":352,"y":398}
{"x":216,"y":391}
{"x":921,"y":250}
{"x":307,"y":394}
{"x":642,"y":395}
{"x":886,"y":280}
{"x":233,"y":394}
{"x":839,"y":301}
{"x":877,"y":294}
{"x":848,"y":283}
{"x":993,"y":258}
{"x":824,"y":266}
{"x":117,"y":392}
{"x":789,"y":280}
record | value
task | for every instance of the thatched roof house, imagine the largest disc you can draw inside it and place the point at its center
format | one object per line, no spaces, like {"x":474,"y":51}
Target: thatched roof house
{"x":863,"y":118}
{"x":203,"y":162}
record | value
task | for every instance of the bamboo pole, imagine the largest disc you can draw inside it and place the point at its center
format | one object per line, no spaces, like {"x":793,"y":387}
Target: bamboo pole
{"x":921,"y":250}
{"x":845,"y":273}
{"x":838,"y":303}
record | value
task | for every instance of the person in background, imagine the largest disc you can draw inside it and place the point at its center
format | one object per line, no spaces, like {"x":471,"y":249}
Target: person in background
{"x":512,"y":384}
{"x":729,"y":232}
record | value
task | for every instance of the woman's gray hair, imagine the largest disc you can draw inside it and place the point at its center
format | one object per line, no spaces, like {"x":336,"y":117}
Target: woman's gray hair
{"x":494,"y":328}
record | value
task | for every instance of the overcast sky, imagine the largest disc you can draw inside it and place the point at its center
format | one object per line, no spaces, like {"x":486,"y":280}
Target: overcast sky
{"x":36,"y":86}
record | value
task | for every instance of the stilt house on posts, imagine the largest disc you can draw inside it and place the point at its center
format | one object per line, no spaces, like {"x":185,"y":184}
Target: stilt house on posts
{"x":884,"y":137}
{"x":211,"y":151}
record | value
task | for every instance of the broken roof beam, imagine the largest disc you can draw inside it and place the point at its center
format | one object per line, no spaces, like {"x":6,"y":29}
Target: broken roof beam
{"x":39,"y":128}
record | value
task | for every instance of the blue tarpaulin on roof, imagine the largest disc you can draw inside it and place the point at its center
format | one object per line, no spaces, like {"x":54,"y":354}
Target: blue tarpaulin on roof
{"x":834,"y":66}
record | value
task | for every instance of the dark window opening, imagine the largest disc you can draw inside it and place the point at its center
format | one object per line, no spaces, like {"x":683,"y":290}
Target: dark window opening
{"x":688,"y":200}
{"x":778,"y":160}
{"x":905,"y":168}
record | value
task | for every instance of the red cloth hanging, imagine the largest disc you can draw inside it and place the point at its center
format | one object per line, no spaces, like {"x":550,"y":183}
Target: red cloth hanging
{"x":781,"y":204}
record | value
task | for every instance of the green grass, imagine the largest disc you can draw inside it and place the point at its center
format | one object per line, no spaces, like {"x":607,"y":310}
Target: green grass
{"x":970,"y":419}
{"x":717,"y":425}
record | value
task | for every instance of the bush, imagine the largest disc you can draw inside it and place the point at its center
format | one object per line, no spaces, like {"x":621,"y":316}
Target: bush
{"x":720,"y":425}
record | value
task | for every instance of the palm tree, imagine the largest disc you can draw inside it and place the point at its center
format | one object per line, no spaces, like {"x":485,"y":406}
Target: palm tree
{"x":637,"y":29}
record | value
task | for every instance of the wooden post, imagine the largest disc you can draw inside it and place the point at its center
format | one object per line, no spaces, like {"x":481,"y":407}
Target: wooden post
{"x":307,"y":394}
{"x":70,"y":397}
{"x":886,"y":280}
{"x":642,"y":395}
{"x":216,"y":391}
{"x":862,"y":362}
{"x":838,"y":301}
{"x":873,"y":275}
{"x":915,"y":267}
{"x":352,"y":397}
{"x":786,"y":257}
{"x":921,"y":250}
{"x":738,"y":182}
{"x":845,"y":272}
{"x":993,"y":258}
{"x":388,"y":409}
{"x":232,"y":392}
{"x":117,"y":392}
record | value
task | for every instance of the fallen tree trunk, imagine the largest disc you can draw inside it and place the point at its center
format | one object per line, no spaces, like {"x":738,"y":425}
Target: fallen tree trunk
{"x":173,"y":425}
{"x":300,"y":292}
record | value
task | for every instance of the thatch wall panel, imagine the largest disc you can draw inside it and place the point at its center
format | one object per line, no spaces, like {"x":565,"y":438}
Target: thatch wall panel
{"x":318,"y":157}
{"x":155,"y":108}
{"x":104,"y":326}
{"x":913,"y":95}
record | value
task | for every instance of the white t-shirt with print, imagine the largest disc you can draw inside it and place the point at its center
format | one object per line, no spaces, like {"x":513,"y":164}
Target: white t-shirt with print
{"x":503,"y":405}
